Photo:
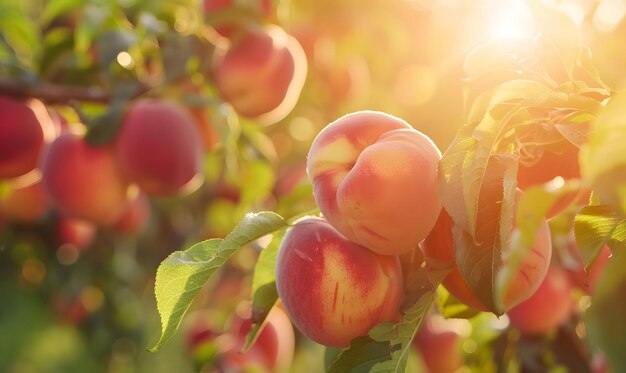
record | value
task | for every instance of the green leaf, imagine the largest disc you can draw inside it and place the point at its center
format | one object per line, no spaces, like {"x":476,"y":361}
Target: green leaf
{"x":362,"y":355}
{"x":103,"y":128}
{"x":264,"y":293}
{"x":111,"y":43}
{"x":596,"y":226}
{"x":400,"y":336}
{"x":176,"y":51}
{"x":602,"y":159}
{"x":181,"y":276}
{"x":605,"y":318}
{"x":55,"y":8}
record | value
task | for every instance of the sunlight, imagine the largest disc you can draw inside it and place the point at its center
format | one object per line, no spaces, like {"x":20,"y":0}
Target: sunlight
{"x":508,"y":19}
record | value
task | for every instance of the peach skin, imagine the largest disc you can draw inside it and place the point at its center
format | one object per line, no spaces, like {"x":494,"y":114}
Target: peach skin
{"x":333,"y":289}
{"x":375,"y":180}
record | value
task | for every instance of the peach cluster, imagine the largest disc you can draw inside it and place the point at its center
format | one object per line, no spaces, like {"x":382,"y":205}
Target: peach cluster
{"x":375,"y":182}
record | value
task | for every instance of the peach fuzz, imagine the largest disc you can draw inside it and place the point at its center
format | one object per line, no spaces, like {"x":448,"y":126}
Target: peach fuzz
{"x":158,"y":147}
{"x":550,"y":306}
{"x":375,"y":180}
{"x":84,"y":181}
{"x":333,"y":289}
{"x":261,"y":74}
{"x":439,"y":251}
{"x":24,"y":126}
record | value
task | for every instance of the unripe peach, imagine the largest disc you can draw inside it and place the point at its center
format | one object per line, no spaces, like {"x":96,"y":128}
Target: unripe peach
{"x":83,"y":180}
{"x":333,"y":289}
{"x":439,"y":251}
{"x":548,"y":307}
{"x":261,"y":74}
{"x":375,"y":180}
{"x":23,"y":126}
{"x":25,"y":204}
{"x":158,"y":147}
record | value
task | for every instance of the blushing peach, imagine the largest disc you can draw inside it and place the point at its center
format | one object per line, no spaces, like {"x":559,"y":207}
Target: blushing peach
{"x":261,"y":74}
{"x":135,"y":218}
{"x":439,"y":251}
{"x":548,"y":307}
{"x":25,"y":204}
{"x":549,"y":165}
{"x":23,"y":127}
{"x":333,"y":289}
{"x":439,"y":344}
{"x":275,"y":344}
{"x":375,"y":180}
{"x":158,"y":147}
{"x":77,"y":232}
{"x":83,"y":180}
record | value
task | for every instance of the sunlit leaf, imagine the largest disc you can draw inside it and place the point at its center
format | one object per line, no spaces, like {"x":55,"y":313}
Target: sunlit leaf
{"x":596,"y":226}
{"x":604,"y":320}
{"x":361,"y":356}
{"x":602,"y":159}
{"x":183,"y":274}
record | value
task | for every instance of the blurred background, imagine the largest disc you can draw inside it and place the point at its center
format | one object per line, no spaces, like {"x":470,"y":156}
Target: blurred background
{"x":76,"y":297}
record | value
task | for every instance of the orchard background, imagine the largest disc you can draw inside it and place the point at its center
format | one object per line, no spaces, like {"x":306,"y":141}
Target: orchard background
{"x":153,"y":155}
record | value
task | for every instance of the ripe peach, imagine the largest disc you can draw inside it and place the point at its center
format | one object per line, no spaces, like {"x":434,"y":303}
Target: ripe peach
{"x":77,"y":232}
{"x":549,"y":165}
{"x":548,"y":307}
{"x":25,"y":204}
{"x":135,"y":218}
{"x":23,"y":130}
{"x":275,"y":345}
{"x":333,"y":289}
{"x":440,"y":345}
{"x":83,"y":180}
{"x":261,"y":74}
{"x":158,"y":147}
{"x":439,"y":251}
{"x":375,"y":180}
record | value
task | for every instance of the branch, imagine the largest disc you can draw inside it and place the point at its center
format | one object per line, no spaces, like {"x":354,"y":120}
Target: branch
{"x":57,"y":93}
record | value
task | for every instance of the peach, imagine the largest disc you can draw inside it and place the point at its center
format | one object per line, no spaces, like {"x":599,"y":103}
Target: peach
{"x":23,"y":130}
{"x":158,"y":147}
{"x":135,"y":218}
{"x":275,"y":344}
{"x":439,"y":251}
{"x":439,"y":344}
{"x":77,"y":232}
{"x":549,"y":306}
{"x":25,"y":203}
{"x":84,"y":181}
{"x":375,"y":180}
{"x":587,"y":281}
{"x":548,"y":165}
{"x":333,"y":289}
{"x":261,"y":74}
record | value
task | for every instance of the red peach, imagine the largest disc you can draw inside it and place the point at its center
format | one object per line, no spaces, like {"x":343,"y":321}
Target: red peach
{"x":439,"y":251}
{"x":135,"y":218}
{"x":548,"y":307}
{"x":158,"y":147}
{"x":440,"y":345}
{"x":84,"y":180}
{"x":77,"y":232}
{"x":333,"y":289}
{"x":23,"y":128}
{"x":261,"y":74}
{"x":548,"y":166}
{"x":375,"y":180}
{"x":25,"y":204}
